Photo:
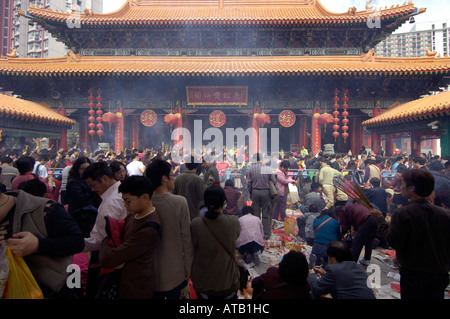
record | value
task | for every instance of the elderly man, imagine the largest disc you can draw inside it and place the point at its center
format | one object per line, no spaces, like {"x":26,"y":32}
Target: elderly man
{"x":326,"y":175}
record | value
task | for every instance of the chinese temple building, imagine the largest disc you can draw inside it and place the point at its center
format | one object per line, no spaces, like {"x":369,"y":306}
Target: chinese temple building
{"x":133,"y":75}
{"x":20,"y":119}
{"x":428,"y":116}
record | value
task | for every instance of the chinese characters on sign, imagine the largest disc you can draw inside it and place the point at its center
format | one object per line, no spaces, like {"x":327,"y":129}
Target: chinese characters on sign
{"x":217,"y":95}
{"x":148,"y":118}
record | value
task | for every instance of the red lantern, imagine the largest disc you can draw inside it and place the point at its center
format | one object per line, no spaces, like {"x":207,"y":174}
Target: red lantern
{"x":336,"y":114}
{"x":91,"y":113}
{"x":345,"y":114}
{"x":262,"y":118}
{"x":325,"y":118}
{"x":109,"y":118}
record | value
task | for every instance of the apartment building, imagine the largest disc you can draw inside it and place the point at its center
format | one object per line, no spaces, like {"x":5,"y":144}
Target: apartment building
{"x":32,"y":41}
{"x":415,"y":40}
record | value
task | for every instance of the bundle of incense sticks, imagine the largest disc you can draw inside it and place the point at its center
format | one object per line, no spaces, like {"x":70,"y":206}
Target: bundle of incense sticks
{"x":353,"y":191}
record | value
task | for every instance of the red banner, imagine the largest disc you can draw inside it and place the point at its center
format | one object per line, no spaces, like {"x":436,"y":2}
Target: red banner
{"x":315,"y":133}
{"x":217,"y":95}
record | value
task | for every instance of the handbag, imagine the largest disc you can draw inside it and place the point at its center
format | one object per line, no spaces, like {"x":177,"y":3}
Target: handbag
{"x":244,"y":274}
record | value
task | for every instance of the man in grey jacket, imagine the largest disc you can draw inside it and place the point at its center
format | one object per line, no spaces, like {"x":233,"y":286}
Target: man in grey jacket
{"x":342,"y":278}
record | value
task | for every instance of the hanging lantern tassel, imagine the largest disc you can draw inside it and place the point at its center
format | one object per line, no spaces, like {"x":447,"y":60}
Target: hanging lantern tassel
{"x":336,"y":114}
{"x":91,"y":113}
{"x":345,"y":114}
{"x":99,"y":113}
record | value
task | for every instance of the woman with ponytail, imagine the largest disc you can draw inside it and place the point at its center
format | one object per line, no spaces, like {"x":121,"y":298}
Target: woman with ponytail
{"x":215,"y":274}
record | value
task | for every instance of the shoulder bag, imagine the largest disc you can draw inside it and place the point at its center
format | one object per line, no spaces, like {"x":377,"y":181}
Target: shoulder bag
{"x":243,"y":272}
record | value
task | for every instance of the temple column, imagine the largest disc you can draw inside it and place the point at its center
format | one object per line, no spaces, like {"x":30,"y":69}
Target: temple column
{"x":415,"y":144}
{"x":389,"y":144}
{"x":134,"y":132}
{"x":315,"y":132}
{"x":303,"y":132}
{"x":84,"y":139}
{"x":375,"y":137}
{"x":356,"y":135}
{"x":63,"y":138}
{"x":118,"y":139}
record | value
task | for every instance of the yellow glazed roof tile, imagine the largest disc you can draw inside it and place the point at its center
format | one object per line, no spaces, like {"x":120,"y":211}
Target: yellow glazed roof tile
{"x":433,"y":104}
{"x":23,"y":109}
{"x":218,"y":66}
{"x":224,"y":11}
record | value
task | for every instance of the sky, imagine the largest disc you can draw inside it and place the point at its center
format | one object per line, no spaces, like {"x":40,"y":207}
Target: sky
{"x":437,"y":10}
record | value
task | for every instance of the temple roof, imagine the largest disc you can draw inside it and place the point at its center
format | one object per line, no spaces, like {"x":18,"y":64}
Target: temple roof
{"x":26,"y":110}
{"x":417,"y":109}
{"x":74,"y":65}
{"x":198,"y":12}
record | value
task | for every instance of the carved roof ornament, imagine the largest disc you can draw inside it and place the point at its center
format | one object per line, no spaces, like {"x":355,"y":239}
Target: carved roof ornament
{"x":369,"y":56}
{"x":13,"y":54}
{"x":88,"y":12}
{"x":73,"y":57}
{"x":430,"y":53}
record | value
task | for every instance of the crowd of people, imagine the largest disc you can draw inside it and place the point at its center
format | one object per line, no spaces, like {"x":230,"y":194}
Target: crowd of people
{"x":144,"y":226}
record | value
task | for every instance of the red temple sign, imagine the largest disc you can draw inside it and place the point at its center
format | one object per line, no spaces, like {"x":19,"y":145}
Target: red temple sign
{"x":217,"y":95}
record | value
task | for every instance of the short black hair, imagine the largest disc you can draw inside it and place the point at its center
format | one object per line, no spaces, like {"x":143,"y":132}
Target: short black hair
{"x":137,"y":186}
{"x":315,"y":186}
{"x":285,"y":164}
{"x":25,"y":164}
{"x":339,"y":250}
{"x":190,"y":163}
{"x":247,"y":210}
{"x":34,"y":187}
{"x":156,"y":170}
{"x":229,"y":182}
{"x":420,"y":160}
{"x":375,"y":181}
{"x":96,"y":170}
{"x":294,"y":268}
{"x":421,"y":179}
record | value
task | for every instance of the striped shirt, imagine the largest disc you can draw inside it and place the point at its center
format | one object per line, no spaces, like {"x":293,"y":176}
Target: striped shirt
{"x":258,"y":177}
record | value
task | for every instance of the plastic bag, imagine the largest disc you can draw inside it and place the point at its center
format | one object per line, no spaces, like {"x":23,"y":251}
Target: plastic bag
{"x":21,"y":283}
{"x":4,"y":269}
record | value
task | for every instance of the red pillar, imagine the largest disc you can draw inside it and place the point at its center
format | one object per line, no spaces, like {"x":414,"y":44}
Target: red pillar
{"x":375,"y":137}
{"x":118,"y":141}
{"x":303,"y":132}
{"x":84,"y":139}
{"x":63,"y":138}
{"x":356,"y":135}
{"x":389,"y":145}
{"x":134,"y":132}
{"x":415,"y":144}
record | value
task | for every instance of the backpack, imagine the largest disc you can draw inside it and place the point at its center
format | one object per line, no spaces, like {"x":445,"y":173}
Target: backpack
{"x":309,"y":220}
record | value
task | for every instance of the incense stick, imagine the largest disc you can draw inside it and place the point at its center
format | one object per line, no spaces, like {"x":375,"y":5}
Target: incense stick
{"x":353,"y":191}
